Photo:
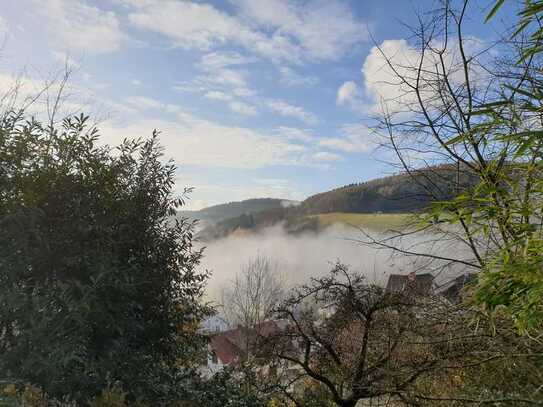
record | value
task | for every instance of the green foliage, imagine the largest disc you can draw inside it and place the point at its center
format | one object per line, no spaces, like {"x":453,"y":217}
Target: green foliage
{"x":96,"y":285}
{"x":517,"y":358}
{"x":506,"y":206}
{"x":230,"y":388}
{"x":313,"y":394}
{"x":516,"y":283}
{"x":30,"y":396}
{"x":114,"y":396}
{"x":529,"y":23}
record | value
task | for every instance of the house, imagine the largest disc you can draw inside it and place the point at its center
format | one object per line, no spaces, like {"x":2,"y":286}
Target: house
{"x":452,"y":290}
{"x":422,"y":284}
{"x":233,"y":346}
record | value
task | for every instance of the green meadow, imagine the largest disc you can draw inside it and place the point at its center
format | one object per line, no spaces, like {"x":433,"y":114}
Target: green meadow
{"x":376,"y":221}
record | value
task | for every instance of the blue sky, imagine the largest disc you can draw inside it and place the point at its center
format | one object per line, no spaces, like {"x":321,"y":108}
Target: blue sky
{"x":254,"y":98}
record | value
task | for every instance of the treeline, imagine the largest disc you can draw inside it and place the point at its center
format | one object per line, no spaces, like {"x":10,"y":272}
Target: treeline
{"x":403,"y":193}
{"x":217,"y":213}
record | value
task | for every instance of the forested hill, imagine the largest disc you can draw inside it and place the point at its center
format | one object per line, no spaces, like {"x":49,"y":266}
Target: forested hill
{"x":402,"y":193}
{"x":393,"y":194}
{"x":218,"y":213}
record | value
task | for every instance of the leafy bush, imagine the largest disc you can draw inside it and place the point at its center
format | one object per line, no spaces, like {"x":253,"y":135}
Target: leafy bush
{"x":97,"y":283}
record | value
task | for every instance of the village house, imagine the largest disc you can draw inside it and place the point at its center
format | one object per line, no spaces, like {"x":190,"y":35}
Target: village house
{"x":422,"y":284}
{"x":233,"y":346}
{"x":453,"y":290}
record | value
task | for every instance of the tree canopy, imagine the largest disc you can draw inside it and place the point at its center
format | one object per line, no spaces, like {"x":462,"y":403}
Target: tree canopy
{"x":98,"y":284}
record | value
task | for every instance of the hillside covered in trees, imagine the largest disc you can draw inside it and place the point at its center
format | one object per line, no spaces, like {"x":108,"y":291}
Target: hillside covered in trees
{"x":396,"y":194}
{"x":218,"y":213}
{"x":401,"y":193}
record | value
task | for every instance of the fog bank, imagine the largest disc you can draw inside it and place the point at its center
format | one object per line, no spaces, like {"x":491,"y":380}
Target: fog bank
{"x":300,"y":257}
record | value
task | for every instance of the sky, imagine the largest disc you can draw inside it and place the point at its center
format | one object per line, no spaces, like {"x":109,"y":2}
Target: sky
{"x":253,"y":98}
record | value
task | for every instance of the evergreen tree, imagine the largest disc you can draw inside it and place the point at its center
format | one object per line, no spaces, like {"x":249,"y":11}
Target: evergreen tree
{"x":97,"y":283}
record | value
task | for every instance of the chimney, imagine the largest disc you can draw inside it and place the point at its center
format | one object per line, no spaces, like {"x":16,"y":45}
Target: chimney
{"x":412,"y":276}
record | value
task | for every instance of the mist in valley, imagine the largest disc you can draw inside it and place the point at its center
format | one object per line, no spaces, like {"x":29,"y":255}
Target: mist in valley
{"x":300,"y":257}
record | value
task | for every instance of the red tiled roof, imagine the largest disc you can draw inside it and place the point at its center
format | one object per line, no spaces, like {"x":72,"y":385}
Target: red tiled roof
{"x":225,"y":350}
{"x":230,"y":346}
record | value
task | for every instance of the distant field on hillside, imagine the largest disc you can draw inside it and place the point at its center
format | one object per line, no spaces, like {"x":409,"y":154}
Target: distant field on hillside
{"x":378,"y":221}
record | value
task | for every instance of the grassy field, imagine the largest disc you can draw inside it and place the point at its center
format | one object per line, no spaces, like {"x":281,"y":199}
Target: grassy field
{"x":376,"y":221}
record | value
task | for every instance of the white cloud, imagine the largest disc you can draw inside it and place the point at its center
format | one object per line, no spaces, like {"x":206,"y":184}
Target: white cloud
{"x":298,"y":112}
{"x":193,"y":25}
{"x":326,"y":156}
{"x":243,"y":92}
{"x":290,"y":77}
{"x":4,"y":27}
{"x":354,"y":138}
{"x":190,"y":87}
{"x":135,"y":82}
{"x":380,"y":82}
{"x":293,"y":133}
{"x":187,"y":24}
{"x":234,"y":105}
{"x":216,"y":60}
{"x":217,"y":95}
{"x":144,"y":103}
{"x":192,"y":141}
{"x":242,"y":108}
{"x":276,"y":188}
{"x":190,"y":203}
{"x":347,"y":93}
{"x":384,"y":87}
{"x":16,"y":91}
{"x":217,"y":75}
{"x":36,"y":96}
{"x":223,"y":77}
{"x":81,"y":27}
{"x":323,"y":29}
{"x":65,"y":58}
{"x":275,"y":29}
{"x":220,"y":82}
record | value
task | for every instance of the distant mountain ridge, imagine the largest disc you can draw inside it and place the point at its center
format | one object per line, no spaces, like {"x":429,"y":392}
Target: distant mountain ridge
{"x":217,"y":213}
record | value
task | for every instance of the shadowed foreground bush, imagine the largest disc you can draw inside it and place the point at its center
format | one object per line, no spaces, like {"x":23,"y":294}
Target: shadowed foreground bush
{"x":97,"y":285}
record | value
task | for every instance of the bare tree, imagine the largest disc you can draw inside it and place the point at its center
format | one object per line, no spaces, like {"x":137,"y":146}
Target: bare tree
{"x":465,"y":123}
{"x":348,"y":340}
{"x":254,"y":293}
